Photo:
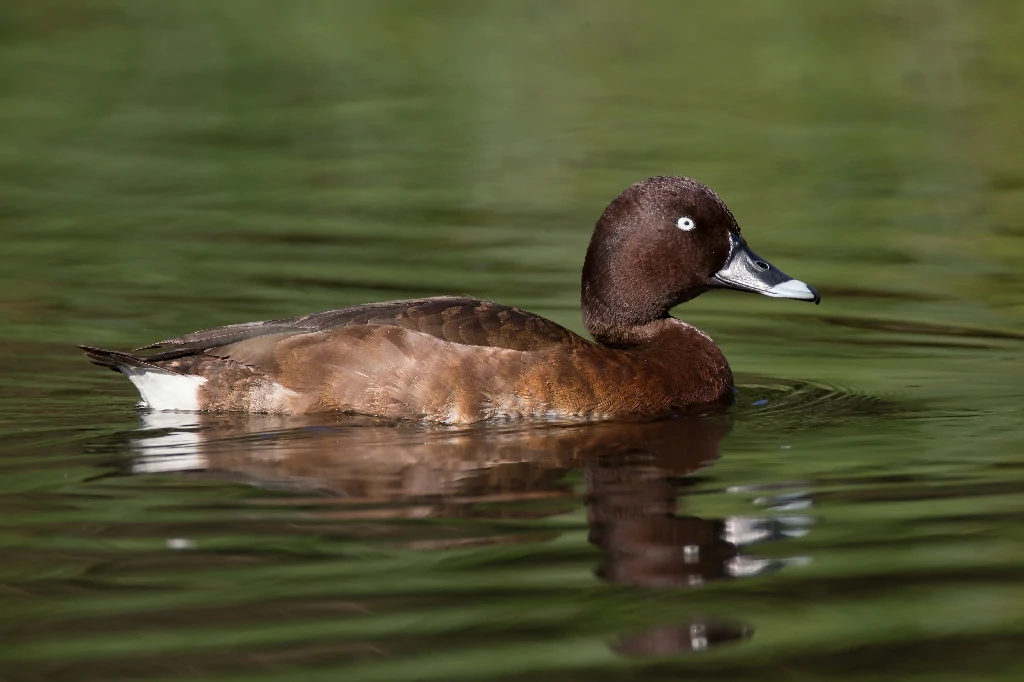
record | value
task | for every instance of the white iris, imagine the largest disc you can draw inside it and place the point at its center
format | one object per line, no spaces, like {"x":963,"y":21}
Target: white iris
{"x":686,"y":223}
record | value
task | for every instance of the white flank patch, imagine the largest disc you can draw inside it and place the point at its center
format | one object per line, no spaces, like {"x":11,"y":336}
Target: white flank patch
{"x":166,"y":390}
{"x":277,"y":399}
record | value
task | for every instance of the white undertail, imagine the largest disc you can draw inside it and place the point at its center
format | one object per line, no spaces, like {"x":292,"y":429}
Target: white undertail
{"x":162,"y":390}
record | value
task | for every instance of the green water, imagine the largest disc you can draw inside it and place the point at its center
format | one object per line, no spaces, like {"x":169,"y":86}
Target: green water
{"x":170,"y":166}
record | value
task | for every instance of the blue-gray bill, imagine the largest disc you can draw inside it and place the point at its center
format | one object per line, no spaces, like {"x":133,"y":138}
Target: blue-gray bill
{"x":744,"y":270}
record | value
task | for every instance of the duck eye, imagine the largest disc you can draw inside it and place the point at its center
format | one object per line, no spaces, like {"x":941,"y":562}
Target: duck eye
{"x":686,"y":223}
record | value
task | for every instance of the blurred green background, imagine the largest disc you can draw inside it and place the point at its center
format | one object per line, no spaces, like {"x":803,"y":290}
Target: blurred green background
{"x":170,"y":166}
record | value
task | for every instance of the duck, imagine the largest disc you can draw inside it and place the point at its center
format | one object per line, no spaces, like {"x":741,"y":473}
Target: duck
{"x":461,"y":360}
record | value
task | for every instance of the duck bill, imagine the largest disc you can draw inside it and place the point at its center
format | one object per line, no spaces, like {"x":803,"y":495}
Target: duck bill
{"x":744,"y":270}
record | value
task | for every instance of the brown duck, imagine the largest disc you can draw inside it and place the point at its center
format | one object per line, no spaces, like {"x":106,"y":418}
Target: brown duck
{"x":453,"y":359}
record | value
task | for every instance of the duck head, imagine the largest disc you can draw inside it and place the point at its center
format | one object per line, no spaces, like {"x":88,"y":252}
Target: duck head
{"x":664,"y":241}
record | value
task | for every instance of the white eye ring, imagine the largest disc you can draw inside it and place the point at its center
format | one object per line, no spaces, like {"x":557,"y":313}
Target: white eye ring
{"x":686,"y":223}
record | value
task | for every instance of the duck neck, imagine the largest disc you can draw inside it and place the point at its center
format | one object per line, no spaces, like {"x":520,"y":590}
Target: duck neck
{"x":684,"y":358}
{"x":620,"y":301}
{"x":618,"y":322}
{"x":624,"y":316}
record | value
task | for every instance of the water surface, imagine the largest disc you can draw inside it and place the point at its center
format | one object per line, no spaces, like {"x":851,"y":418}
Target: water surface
{"x":166,"y":167}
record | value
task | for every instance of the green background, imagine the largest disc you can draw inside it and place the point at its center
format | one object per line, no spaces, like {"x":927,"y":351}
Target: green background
{"x":170,"y":166}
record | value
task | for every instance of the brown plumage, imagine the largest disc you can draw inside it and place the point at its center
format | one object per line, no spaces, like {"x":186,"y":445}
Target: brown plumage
{"x":460,"y":360}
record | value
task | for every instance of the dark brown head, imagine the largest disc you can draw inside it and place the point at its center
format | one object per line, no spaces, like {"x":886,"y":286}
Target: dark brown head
{"x":663,"y":241}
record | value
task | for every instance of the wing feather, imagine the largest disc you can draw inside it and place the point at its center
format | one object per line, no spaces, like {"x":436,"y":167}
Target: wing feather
{"x":461,"y":320}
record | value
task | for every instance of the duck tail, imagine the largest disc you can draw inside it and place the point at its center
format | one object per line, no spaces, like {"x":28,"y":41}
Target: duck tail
{"x":119,"y":360}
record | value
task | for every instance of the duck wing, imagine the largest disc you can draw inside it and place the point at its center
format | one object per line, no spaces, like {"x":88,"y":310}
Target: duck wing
{"x":461,"y":320}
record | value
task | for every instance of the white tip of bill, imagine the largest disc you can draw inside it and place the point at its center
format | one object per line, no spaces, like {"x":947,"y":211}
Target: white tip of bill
{"x":791,"y":288}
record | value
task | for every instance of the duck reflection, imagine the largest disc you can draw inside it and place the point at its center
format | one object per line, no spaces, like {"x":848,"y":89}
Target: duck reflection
{"x":633,"y":506}
{"x":635,"y":474}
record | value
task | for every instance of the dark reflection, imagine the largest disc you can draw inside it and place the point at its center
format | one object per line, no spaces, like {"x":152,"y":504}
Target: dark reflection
{"x":631,"y":509}
{"x":635,"y":472}
{"x":633,"y":503}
